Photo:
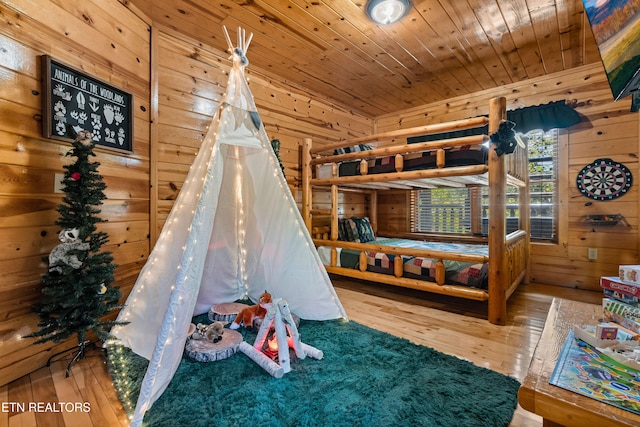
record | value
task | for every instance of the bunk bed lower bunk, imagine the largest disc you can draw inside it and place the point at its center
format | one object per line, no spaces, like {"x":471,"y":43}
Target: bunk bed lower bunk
{"x":487,"y":272}
{"x":466,"y":266}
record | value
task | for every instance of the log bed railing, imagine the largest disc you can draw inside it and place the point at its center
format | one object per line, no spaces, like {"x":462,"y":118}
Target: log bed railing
{"x":508,"y":254}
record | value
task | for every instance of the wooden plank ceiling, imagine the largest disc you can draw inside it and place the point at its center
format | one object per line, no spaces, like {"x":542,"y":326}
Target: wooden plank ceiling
{"x":440,"y":49}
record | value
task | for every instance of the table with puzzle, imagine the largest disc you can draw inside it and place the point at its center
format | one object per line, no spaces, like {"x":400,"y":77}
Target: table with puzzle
{"x":557,"y":405}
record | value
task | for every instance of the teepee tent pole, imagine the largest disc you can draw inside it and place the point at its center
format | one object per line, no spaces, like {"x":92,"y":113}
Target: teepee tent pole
{"x":242,"y":41}
{"x":229,"y":43}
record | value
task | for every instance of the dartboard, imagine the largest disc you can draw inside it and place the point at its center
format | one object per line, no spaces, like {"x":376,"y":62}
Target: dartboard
{"x":604,"y":179}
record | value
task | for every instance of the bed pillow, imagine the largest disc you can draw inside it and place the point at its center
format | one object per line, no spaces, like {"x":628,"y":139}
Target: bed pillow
{"x":352,"y":149}
{"x":365,"y":231}
{"x":350,"y":230}
{"x":342,"y":233}
{"x":355,"y":229}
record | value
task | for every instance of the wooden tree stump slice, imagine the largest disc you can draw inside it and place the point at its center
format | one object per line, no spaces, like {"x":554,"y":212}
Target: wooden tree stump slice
{"x":207,"y":351}
{"x":225,"y":312}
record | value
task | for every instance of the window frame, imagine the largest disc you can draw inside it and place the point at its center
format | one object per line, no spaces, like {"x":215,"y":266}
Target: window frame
{"x":559,"y":247}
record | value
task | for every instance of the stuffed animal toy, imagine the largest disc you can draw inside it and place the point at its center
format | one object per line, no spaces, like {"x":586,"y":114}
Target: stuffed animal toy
{"x":200,"y":332}
{"x":66,"y":253}
{"x":506,"y":138}
{"x":249,"y":314}
{"x":212,"y":332}
{"x":85,"y":137}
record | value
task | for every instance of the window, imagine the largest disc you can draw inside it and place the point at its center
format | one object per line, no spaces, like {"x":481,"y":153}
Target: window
{"x":450,"y":210}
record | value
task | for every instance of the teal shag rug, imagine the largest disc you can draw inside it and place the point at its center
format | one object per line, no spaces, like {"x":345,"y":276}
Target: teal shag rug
{"x":366,"y":378}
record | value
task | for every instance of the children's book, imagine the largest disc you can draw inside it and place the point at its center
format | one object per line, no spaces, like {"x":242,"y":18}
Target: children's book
{"x":583,"y":369}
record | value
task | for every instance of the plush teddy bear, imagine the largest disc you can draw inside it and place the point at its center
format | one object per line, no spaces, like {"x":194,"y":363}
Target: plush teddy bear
{"x":249,"y":314}
{"x":66,"y":252}
{"x":212,"y":332}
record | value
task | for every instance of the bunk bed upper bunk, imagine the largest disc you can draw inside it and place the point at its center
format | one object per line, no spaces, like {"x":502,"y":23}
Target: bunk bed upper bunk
{"x":389,"y":162}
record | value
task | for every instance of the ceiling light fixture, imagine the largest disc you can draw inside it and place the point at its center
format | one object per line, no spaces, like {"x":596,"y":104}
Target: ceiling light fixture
{"x":387,"y":11}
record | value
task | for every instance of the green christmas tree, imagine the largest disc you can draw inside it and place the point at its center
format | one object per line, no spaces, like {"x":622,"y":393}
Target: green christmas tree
{"x":76,"y":288}
{"x":275,"y":144}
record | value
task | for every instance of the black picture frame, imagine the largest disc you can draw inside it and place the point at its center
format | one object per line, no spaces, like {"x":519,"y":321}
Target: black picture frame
{"x":74,"y":101}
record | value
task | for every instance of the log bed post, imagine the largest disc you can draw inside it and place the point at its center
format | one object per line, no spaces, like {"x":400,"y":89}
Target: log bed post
{"x":373,"y":211}
{"x":306,"y":182}
{"x":498,"y":273}
{"x":333,"y":233}
{"x":524,"y":199}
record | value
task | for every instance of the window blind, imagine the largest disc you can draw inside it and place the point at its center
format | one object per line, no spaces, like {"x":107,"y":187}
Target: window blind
{"x":441,"y":210}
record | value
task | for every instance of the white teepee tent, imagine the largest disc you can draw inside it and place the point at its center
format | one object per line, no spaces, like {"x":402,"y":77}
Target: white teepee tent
{"x":234,"y":232}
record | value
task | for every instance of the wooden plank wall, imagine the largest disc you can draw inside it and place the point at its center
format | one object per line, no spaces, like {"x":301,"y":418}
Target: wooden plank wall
{"x":394,"y":211}
{"x":108,"y":41}
{"x":608,"y":130}
{"x":191,"y":81}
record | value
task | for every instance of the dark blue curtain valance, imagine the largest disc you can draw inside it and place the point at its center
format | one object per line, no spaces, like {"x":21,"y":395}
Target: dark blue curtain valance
{"x":554,"y":115}
{"x":548,"y":116}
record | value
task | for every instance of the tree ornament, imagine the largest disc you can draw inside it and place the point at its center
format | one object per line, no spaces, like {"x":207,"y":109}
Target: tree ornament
{"x":71,"y":251}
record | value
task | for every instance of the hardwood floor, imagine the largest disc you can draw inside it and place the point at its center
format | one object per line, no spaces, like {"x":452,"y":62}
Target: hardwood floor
{"x":450,"y":325}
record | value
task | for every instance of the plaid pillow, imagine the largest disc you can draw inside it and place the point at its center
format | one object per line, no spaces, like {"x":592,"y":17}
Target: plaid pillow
{"x":352,"y":149}
{"x":342,"y":234}
{"x":350,"y":230}
{"x":365,"y":231}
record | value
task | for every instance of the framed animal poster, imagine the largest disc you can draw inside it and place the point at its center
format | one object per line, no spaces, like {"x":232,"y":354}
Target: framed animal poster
{"x":74,"y":101}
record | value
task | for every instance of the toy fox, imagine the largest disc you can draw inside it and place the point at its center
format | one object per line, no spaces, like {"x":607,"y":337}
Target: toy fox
{"x":247,"y":315}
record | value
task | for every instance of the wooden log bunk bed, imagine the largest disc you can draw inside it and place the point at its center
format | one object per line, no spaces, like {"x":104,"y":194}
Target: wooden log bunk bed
{"x":507,"y":256}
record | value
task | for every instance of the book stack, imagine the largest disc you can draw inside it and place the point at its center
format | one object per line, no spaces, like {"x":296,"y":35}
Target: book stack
{"x":621,"y":304}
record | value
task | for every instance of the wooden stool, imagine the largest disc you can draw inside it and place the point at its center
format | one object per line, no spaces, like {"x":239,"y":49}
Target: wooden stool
{"x":206,"y":351}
